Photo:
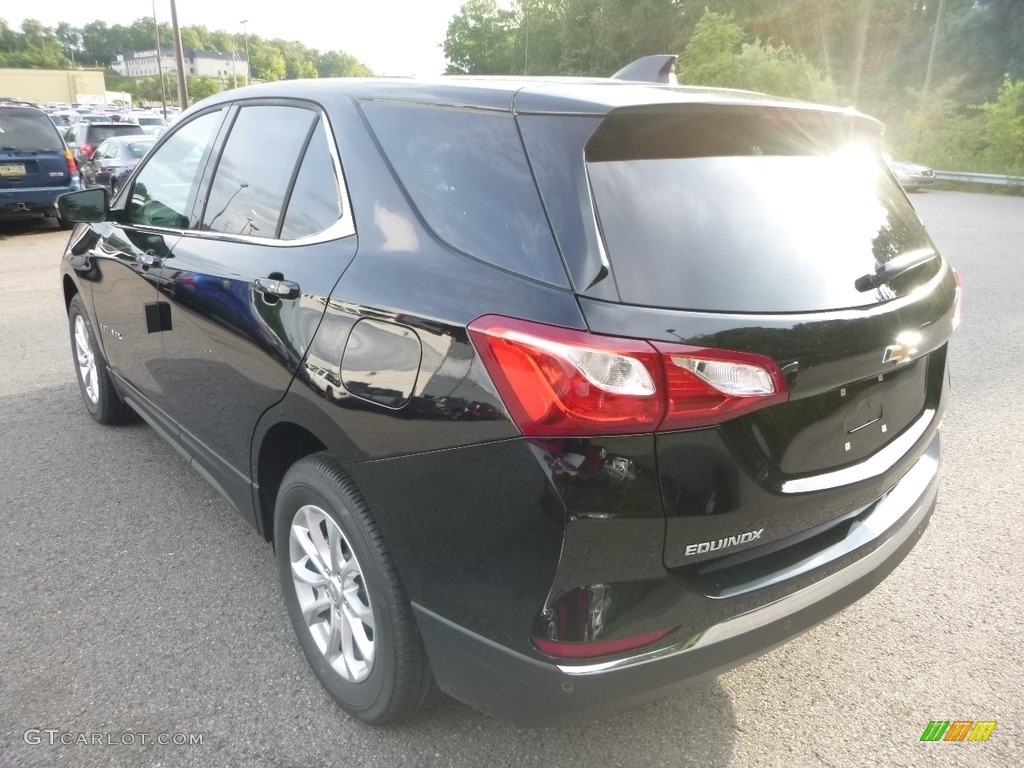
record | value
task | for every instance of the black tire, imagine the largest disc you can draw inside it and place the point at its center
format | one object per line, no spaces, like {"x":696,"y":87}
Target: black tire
{"x":101,"y":400}
{"x":398,"y":682}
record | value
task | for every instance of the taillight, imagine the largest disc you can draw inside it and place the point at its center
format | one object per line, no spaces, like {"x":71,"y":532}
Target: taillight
{"x":709,"y":386}
{"x":958,"y":299}
{"x":70,"y":160}
{"x":561,"y":382}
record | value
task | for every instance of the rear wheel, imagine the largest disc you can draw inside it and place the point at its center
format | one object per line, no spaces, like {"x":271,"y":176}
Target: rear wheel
{"x":345,"y":600}
{"x":98,"y":393}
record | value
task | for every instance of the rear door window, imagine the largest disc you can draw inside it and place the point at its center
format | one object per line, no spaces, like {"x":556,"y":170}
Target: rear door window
{"x":744,"y":209}
{"x":256,"y":170}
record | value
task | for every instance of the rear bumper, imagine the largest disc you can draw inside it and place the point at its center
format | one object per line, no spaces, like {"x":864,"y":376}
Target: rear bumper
{"x":32,"y":201}
{"x":541,"y":692}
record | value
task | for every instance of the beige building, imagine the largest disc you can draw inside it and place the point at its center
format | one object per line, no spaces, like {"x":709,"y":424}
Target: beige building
{"x":220,"y":66}
{"x":46,"y":85}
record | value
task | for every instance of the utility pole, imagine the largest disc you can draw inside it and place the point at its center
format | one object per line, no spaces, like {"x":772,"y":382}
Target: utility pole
{"x":526,"y":47}
{"x":160,"y":63}
{"x":931,"y":54}
{"x":179,"y":57}
{"x":245,"y":40}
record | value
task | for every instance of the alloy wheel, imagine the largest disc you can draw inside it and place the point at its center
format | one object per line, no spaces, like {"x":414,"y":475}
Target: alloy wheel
{"x":86,"y":360}
{"x":331,"y":592}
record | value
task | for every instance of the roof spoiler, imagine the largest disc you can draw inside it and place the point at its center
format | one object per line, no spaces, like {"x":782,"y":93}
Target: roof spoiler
{"x":660,"y":68}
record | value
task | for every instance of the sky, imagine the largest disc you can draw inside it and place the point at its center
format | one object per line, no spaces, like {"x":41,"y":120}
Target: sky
{"x":392,"y":37}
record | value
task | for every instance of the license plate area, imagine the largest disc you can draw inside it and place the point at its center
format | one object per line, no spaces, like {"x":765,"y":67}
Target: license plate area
{"x":844,"y":425}
{"x":12,"y":169}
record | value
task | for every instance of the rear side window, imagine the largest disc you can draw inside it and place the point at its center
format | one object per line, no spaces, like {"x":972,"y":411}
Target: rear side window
{"x":467,"y":173}
{"x":256,"y":169}
{"x":743,"y":209}
{"x":28,"y":130}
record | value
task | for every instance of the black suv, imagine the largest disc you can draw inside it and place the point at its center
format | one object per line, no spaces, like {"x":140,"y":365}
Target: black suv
{"x":551,"y":394}
{"x":35,"y":166}
{"x":84,"y":136}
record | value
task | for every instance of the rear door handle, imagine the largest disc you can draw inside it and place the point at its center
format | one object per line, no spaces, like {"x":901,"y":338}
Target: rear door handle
{"x":284,"y":289}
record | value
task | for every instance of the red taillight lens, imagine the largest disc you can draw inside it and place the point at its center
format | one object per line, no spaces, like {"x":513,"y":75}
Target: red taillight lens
{"x":70,"y":160}
{"x":709,"y":386}
{"x":585,"y":650}
{"x":958,"y":299}
{"x":558,"y":382}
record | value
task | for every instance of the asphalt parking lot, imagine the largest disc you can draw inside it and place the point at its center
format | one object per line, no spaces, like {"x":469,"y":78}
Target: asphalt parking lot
{"x":136,"y":607}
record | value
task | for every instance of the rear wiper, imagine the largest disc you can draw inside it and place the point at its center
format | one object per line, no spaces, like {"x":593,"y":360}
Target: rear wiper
{"x":890,"y":269}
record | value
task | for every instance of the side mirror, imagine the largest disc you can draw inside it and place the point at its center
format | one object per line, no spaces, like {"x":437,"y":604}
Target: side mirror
{"x":85,"y":206}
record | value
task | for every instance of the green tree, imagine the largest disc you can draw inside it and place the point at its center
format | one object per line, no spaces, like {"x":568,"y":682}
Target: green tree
{"x":710,"y":58}
{"x":339,"y":64}
{"x":266,"y":62}
{"x":717,"y":56}
{"x":483,"y":40}
{"x":199,"y":87}
{"x":1004,"y":128}
{"x":34,"y":47}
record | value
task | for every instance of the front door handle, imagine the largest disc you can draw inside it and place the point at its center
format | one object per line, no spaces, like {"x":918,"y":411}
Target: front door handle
{"x":283,"y":289}
{"x":148,"y":259}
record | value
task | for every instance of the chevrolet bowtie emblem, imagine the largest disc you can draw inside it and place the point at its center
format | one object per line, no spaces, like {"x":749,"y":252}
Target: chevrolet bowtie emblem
{"x":903,"y":350}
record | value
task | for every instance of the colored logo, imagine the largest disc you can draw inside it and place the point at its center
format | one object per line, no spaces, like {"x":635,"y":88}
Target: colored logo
{"x":958,"y":730}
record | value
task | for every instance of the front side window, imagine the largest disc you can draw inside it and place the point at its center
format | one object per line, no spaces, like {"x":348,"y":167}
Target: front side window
{"x":164,"y":189}
{"x":256,"y":169}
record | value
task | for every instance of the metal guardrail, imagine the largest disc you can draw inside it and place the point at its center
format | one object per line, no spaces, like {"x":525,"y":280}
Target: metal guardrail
{"x":980,"y":178}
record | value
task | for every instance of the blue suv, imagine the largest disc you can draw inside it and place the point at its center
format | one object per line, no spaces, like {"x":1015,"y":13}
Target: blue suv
{"x":36,"y":166}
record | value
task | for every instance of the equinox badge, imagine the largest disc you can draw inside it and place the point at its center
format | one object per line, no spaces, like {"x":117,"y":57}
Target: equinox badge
{"x":731,"y":541}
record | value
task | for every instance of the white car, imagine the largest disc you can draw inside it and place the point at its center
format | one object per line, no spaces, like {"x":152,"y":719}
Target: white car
{"x":912,"y":176}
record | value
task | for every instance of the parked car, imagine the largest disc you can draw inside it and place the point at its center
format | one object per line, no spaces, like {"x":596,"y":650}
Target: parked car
{"x":35,"y":165}
{"x":699,"y":383}
{"x":151,"y":124}
{"x":912,"y":176}
{"x":114,"y":160}
{"x":86,"y":135}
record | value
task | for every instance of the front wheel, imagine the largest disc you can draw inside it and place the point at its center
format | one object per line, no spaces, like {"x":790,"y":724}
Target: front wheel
{"x":101,"y":399}
{"x":344,"y":597}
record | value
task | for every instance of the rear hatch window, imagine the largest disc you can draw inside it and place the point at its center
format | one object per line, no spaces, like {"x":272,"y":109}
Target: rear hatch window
{"x":99,"y":133}
{"x":750,"y":209}
{"x":31,"y":151}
